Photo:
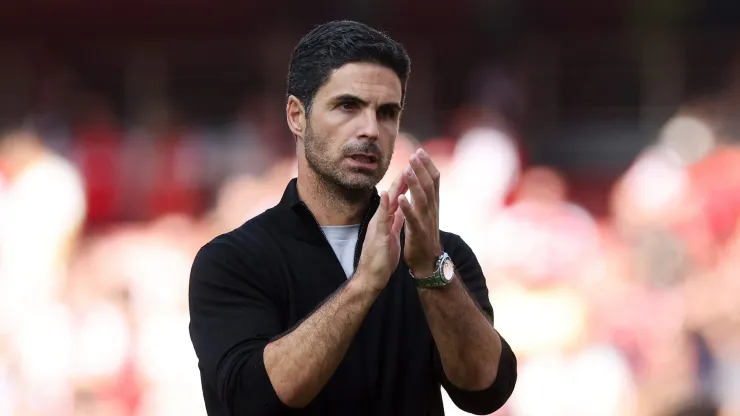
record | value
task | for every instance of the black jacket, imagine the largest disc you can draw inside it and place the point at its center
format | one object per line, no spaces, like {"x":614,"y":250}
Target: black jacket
{"x":251,"y":285}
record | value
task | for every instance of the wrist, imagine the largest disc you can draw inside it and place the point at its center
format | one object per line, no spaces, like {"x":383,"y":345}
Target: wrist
{"x":364,"y":285}
{"x":438,"y":252}
{"x":422,"y":272}
{"x":427,"y":267}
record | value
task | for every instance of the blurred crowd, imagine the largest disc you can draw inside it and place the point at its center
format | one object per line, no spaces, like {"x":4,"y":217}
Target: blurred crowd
{"x":636,"y":312}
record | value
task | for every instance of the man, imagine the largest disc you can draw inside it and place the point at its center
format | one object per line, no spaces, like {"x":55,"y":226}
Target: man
{"x":42,"y":212}
{"x":307,"y":308}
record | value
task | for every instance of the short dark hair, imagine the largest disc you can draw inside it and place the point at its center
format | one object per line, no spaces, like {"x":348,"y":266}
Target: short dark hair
{"x":330,"y":46}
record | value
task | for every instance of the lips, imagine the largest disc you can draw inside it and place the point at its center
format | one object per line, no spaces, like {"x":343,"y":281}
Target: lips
{"x":364,"y":158}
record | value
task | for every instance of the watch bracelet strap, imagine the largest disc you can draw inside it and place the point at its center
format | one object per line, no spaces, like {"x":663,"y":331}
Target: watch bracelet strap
{"x":430,"y":282}
{"x":436,"y":279}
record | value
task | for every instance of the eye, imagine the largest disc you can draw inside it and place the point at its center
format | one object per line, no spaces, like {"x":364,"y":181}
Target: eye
{"x":388,"y":113}
{"x":347,"y":106}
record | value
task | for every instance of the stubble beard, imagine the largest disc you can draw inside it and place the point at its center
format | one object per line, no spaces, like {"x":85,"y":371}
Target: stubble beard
{"x":350,"y":185}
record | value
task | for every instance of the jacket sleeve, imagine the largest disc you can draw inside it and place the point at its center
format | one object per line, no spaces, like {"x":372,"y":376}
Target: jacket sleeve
{"x":232,"y":319}
{"x":486,"y":401}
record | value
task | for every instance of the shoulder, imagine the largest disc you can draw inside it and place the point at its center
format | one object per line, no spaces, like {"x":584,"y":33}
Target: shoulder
{"x":254,"y":235}
{"x":58,"y":183}
{"x":462,"y":255}
{"x":58,"y":177}
{"x":454,"y":244}
{"x":244,"y":247}
{"x":235,"y":264}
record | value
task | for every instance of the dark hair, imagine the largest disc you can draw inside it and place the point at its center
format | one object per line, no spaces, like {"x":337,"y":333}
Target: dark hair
{"x":330,"y":46}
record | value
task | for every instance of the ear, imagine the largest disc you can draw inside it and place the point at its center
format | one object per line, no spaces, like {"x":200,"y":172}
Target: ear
{"x":296,"y":116}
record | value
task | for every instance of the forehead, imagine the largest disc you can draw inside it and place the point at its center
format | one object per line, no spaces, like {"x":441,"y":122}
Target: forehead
{"x":371,"y":82}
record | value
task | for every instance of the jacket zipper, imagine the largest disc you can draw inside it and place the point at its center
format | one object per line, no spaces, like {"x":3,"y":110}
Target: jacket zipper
{"x":303,"y":204}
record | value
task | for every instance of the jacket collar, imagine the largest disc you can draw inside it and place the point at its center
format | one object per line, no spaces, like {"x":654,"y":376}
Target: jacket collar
{"x":303,"y":224}
{"x":292,"y":200}
{"x":290,"y":197}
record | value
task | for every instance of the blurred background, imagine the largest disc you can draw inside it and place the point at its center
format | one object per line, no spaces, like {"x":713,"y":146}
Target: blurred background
{"x":589,"y":155}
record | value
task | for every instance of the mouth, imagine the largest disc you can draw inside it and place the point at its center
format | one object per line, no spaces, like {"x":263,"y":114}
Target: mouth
{"x":364,"y":159}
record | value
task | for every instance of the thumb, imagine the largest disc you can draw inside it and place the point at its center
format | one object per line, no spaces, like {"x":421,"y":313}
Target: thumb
{"x":382,"y":214}
{"x":398,"y":220}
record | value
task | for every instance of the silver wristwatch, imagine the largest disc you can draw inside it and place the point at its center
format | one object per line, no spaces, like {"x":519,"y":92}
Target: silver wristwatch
{"x":444,"y":272}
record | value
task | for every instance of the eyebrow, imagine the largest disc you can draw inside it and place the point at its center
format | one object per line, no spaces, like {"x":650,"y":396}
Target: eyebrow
{"x":355,"y":99}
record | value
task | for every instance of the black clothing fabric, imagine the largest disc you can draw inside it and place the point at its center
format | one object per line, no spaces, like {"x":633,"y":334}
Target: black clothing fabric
{"x":257,"y":282}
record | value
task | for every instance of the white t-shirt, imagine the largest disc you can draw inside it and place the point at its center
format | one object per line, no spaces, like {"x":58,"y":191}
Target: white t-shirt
{"x":343,"y":240}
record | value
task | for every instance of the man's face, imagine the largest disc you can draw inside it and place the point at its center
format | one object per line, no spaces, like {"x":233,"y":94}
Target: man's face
{"x":352,"y":126}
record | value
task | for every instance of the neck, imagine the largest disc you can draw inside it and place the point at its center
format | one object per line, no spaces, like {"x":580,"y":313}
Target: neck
{"x":331,"y":204}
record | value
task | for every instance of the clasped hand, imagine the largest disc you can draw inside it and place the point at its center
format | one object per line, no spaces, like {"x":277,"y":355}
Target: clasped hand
{"x":422,"y":246}
{"x":381,"y":251}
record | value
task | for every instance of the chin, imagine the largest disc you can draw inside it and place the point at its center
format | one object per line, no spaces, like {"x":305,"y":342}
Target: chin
{"x":358,"y":181}
{"x":358,"y":185}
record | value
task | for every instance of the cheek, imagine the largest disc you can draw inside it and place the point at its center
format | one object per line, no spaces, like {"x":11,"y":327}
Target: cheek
{"x":337,"y":150}
{"x":329,"y":136}
{"x":328,"y":148}
{"x":390,"y":127}
{"x":388,"y":138}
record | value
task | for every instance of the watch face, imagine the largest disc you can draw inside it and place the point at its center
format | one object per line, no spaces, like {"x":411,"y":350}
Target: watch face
{"x":448,"y":270}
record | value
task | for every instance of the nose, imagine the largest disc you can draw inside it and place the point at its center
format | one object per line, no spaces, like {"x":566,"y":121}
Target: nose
{"x":369,"y":128}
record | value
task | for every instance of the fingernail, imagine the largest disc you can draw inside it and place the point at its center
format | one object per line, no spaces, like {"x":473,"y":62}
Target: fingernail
{"x":423,"y":153}
{"x":414,"y":158}
{"x":409,"y":172}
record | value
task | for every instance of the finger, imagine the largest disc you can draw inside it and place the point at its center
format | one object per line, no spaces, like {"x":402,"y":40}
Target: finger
{"x":397,"y":188}
{"x":412,"y":218}
{"x":417,"y":192}
{"x":398,"y":221}
{"x":423,"y":176}
{"x":431,"y":168}
{"x":382,"y":213}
